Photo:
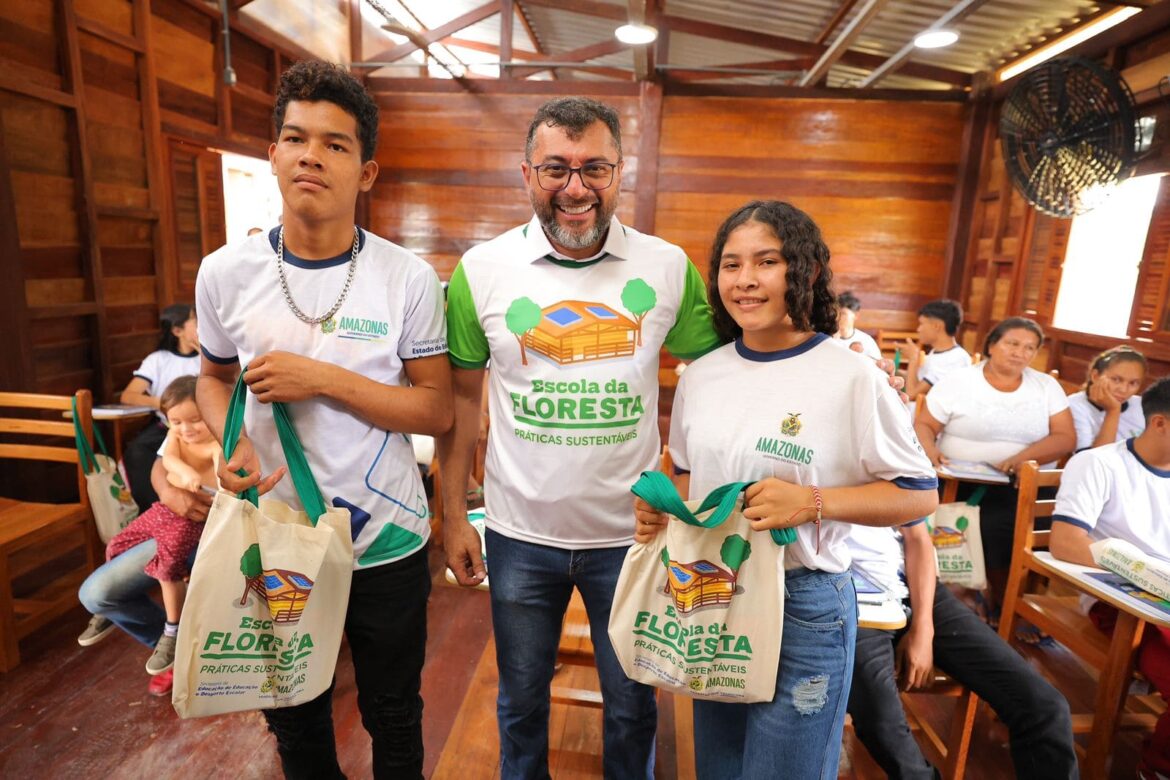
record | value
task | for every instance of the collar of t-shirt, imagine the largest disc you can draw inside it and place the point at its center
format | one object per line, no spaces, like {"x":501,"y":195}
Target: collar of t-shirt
{"x":537,"y":246}
{"x":748,"y":353}
{"x":1124,"y":404}
{"x":1156,"y":472}
{"x":291,"y":259}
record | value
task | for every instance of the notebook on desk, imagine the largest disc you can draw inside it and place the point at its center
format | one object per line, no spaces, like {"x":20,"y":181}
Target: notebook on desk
{"x":869,"y":592}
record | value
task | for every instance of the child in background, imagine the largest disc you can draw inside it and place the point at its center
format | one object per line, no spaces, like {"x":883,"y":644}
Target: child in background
{"x":1109,"y":409}
{"x":190,"y":455}
{"x":841,"y":450}
{"x":849,"y":305}
{"x":938,"y":324}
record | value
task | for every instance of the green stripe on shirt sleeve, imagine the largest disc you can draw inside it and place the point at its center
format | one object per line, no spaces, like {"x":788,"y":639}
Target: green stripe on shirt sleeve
{"x":693,"y":334}
{"x":467,"y":344}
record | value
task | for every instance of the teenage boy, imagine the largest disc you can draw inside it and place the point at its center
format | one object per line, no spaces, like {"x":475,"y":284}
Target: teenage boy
{"x":938,"y":324}
{"x":1122,"y":491}
{"x":941,"y":631}
{"x":572,"y":310}
{"x":847,"y":333}
{"x":348,"y":330}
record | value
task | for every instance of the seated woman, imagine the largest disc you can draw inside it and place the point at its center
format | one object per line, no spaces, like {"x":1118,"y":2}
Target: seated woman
{"x":1109,"y":410}
{"x":177,"y":355}
{"x":999,"y":412}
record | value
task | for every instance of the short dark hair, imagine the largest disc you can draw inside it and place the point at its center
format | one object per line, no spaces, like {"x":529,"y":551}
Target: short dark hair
{"x":847,"y":300}
{"x":808,"y":298}
{"x":1012,"y":323}
{"x":173,"y":316}
{"x":180,"y":390}
{"x":575,"y":115}
{"x":1119,"y":354}
{"x":946,"y":310}
{"x":313,"y":81}
{"x":1156,"y":399}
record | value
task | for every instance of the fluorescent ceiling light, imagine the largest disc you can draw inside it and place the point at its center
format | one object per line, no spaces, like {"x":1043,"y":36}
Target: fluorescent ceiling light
{"x":935,"y":39}
{"x":636,"y":34}
{"x":1080,"y":35}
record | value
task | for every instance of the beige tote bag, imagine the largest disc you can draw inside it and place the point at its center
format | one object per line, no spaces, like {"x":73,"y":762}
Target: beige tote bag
{"x":266,"y":606}
{"x":700,"y":609}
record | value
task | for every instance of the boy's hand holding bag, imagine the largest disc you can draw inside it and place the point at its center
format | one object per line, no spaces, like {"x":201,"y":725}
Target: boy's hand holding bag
{"x":266,"y":605}
{"x":699,"y":609}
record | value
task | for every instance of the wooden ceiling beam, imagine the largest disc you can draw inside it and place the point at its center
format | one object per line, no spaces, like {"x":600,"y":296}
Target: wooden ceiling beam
{"x":583,"y":54}
{"x":488,"y":48}
{"x":507,"y":20}
{"x":583,"y":7}
{"x":435,"y":34}
{"x":953,"y":16}
{"x":838,"y":17}
{"x":795,"y":65}
{"x":841,"y":44}
{"x":645,"y":12}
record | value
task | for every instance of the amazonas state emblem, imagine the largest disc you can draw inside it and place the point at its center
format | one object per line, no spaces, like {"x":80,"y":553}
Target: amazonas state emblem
{"x":791,"y":424}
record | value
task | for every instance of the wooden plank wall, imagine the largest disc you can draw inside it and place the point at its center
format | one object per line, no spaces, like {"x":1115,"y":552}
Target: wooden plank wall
{"x":879,"y":178}
{"x":92,"y":92}
{"x":1015,"y":254}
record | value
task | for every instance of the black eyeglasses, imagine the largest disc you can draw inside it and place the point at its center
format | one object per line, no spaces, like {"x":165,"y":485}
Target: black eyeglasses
{"x":554,"y":177}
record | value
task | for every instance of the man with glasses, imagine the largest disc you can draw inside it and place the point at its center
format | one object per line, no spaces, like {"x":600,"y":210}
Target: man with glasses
{"x":572,"y":310}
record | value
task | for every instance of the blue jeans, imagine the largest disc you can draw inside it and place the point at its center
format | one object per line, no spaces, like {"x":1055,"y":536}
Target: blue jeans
{"x":797,"y":735}
{"x":119,"y":590}
{"x":530,"y":589}
{"x":1035,"y":713}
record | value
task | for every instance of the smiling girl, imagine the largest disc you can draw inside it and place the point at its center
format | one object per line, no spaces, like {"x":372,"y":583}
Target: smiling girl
{"x":1109,"y":409}
{"x":828,"y":443}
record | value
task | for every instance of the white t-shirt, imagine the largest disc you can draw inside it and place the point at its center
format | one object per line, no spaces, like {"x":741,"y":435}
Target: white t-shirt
{"x":938,"y":364}
{"x":986,"y":425}
{"x":877,"y":554}
{"x":162,"y":367}
{"x":573,"y":388}
{"x":811,"y":415}
{"x":393,"y":313}
{"x":1088,"y":417}
{"x":1113,"y":494}
{"x":869,"y":347}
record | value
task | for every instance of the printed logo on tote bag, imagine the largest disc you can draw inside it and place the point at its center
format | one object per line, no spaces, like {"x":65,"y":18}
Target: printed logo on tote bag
{"x":285,"y":592}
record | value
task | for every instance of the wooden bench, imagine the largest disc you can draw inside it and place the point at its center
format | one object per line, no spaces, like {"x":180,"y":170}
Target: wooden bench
{"x":34,"y":537}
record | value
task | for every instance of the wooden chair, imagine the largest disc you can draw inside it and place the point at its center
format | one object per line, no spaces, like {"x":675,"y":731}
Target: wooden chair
{"x":889,"y":341}
{"x":1056,"y":611}
{"x":34,"y":537}
{"x":948,"y":752}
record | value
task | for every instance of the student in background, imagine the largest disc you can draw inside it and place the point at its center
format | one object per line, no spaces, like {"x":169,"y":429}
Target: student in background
{"x":1121,"y":490}
{"x":769,"y":290}
{"x":189,"y":455}
{"x":177,"y":355}
{"x":849,"y":305}
{"x":1109,"y":409}
{"x":938,"y":324}
{"x":999,"y":412}
{"x":942,"y":631}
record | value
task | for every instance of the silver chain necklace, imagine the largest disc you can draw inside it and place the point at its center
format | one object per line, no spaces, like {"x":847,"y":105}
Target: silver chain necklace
{"x":288,"y":295}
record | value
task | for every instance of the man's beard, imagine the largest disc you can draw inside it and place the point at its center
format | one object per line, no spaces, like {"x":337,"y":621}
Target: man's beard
{"x":565,"y":237}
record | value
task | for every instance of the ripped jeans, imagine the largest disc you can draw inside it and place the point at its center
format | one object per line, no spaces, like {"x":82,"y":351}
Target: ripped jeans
{"x":386,"y":627}
{"x":797,"y":735}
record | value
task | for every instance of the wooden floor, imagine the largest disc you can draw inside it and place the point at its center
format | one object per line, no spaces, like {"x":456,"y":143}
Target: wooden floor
{"x":69,"y":711}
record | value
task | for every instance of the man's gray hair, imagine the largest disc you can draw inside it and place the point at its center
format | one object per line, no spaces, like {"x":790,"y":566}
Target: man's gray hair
{"x":575,"y":115}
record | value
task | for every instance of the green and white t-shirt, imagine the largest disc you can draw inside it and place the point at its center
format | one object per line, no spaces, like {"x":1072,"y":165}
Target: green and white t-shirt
{"x":393,"y":313}
{"x":574,"y":351}
{"x":814,"y":414}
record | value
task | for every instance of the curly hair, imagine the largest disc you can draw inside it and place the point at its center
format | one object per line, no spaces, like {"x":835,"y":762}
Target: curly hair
{"x":1118,"y":354}
{"x":313,"y":81}
{"x":810,"y":302}
{"x":574,"y":115}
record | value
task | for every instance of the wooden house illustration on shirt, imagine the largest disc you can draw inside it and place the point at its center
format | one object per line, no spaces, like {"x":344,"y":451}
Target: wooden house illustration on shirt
{"x":698,"y":584}
{"x":577,"y":331}
{"x":287,"y":593}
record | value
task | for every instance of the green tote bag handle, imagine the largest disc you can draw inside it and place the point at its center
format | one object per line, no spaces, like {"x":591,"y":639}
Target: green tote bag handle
{"x":656,"y":489}
{"x":89,"y":462}
{"x":294,"y":453}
